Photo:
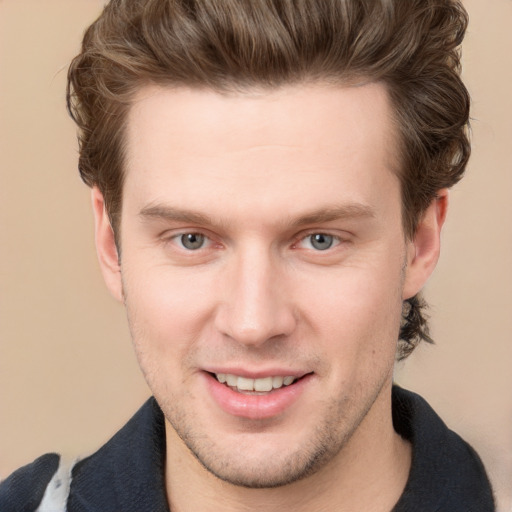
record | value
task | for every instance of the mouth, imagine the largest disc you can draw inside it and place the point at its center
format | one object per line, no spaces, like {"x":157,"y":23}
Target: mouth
{"x":257,"y":398}
{"x":256,"y":386}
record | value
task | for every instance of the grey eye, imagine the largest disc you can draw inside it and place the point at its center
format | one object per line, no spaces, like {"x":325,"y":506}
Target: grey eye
{"x":192,"y":241}
{"x":321,"y":241}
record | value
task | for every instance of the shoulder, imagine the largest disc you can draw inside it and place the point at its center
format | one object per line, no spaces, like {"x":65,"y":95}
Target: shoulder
{"x":120,"y":475}
{"x":446,"y":472}
{"x":25,"y":488}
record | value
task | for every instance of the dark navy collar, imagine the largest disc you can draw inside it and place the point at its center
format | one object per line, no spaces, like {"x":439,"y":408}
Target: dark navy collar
{"x":446,"y":473}
{"x":127,"y":473}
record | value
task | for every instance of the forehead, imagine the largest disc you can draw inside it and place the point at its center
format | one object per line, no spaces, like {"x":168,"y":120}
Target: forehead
{"x":291,"y":146}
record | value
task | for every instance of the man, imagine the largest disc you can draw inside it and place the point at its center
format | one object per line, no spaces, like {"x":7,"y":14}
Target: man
{"x":269,"y":182}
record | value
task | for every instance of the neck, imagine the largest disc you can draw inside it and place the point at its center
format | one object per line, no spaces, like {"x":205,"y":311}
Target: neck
{"x":368,"y":474}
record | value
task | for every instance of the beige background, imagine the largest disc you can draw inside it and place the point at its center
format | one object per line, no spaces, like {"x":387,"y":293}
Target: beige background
{"x":68,"y":379}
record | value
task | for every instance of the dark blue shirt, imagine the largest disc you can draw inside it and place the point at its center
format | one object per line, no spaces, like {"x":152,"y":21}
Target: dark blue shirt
{"x":127,"y":473}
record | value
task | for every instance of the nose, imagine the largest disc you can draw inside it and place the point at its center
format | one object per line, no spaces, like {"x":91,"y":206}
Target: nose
{"x":255,"y":306}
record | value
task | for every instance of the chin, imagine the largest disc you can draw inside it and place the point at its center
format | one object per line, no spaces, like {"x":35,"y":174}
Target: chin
{"x":278,"y":472}
{"x":267,"y":460}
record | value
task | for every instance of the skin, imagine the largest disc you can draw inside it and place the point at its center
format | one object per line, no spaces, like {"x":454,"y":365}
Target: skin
{"x":257,"y":174}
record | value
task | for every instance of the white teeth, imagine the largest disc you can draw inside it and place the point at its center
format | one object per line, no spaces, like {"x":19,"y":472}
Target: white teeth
{"x":262,"y":385}
{"x":277,"y":382}
{"x":245,"y":384}
{"x":232,"y":380}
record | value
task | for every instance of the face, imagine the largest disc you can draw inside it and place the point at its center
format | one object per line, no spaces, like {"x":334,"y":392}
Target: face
{"x":263,"y":269}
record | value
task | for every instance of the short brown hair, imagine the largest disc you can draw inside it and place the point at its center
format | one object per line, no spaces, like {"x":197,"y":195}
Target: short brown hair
{"x":412,"y":46}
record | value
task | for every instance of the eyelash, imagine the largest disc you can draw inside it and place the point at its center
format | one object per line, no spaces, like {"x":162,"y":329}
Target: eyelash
{"x":335,"y":240}
{"x":178,"y":240}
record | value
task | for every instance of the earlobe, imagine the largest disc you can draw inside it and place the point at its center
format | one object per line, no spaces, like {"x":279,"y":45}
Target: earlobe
{"x":106,"y":246}
{"x":423,"y":250}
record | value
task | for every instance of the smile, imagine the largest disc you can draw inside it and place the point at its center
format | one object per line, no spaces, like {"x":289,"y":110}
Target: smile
{"x":262,"y":385}
{"x":257,"y":397}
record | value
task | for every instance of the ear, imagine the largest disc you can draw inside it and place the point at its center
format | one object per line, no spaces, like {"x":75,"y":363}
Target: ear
{"x":423,"y":250}
{"x":106,"y":246}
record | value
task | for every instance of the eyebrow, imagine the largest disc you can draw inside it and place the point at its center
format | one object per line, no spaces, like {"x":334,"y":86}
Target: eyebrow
{"x":169,"y":213}
{"x":318,"y":216}
{"x":332,"y":213}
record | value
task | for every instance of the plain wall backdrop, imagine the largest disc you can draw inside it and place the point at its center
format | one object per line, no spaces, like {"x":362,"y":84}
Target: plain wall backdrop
{"x":68,"y":378}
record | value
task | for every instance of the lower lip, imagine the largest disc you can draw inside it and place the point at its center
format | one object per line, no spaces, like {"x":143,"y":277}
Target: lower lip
{"x":256,"y":407}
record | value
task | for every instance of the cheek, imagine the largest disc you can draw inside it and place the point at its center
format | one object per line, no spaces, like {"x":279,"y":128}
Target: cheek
{"x":167,"y":310}
{"x":358,"y":311}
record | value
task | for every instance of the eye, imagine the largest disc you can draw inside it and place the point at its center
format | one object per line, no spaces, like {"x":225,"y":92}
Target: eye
{"x":191,"y":241}
{"x":320,"y":241}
